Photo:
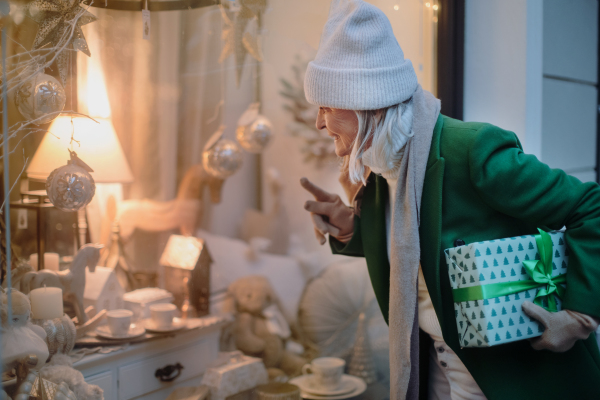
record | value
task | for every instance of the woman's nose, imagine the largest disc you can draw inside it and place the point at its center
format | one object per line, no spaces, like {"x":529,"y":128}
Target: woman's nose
{"x":320,"y":124}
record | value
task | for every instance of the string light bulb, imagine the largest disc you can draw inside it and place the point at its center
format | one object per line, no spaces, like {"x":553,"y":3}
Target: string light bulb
{"x":427,"y":4}
{"x":396,"y":7}
{"x":435,"y":7}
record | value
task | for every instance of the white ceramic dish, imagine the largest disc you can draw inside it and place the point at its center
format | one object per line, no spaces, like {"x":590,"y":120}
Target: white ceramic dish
{"x":306,"y":390}
{"x":135,"y":330}
{"x":175,"y":326}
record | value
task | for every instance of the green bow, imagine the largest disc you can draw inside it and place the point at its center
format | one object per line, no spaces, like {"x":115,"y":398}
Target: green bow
{"x":540,"y":272}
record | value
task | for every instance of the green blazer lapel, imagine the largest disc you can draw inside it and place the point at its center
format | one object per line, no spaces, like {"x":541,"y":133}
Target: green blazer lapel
{"x":374,"y":237}
{"x":430,"y":228}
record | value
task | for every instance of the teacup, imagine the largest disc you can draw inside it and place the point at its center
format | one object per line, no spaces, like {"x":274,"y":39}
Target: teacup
{"x":327,"y":372}
{"x":119,"y":321}
{"x":162,"y":314}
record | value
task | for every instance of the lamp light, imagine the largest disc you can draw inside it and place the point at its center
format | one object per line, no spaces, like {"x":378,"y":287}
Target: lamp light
{"x":97,"y":145}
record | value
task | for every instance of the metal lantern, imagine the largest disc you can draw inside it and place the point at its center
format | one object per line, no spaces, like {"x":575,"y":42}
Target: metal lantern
{"x":40,"y":99}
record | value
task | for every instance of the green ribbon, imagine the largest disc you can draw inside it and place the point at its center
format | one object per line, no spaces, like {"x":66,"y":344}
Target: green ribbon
{"x":540,"y":272}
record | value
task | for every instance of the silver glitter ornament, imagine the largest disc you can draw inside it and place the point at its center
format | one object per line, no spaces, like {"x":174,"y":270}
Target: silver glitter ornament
{"x":71,"y":187}
{"x":255,"y":137}
{"x":40,"y":99}
{"x":221,"y":157}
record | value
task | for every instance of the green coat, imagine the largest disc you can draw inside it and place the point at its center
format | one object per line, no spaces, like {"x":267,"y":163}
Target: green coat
{"x":479,"y":185}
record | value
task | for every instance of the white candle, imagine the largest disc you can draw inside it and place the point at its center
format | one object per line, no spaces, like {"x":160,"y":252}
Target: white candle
{"x":51,"y":261}
{"x":46,"y":303}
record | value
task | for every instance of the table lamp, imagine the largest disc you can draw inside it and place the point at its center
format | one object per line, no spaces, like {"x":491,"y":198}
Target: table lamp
{"x":97,"y":145}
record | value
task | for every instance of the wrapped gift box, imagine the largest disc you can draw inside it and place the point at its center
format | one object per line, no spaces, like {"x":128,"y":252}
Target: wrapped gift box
{"x":481,"y":266}
{"x":234,"y":373}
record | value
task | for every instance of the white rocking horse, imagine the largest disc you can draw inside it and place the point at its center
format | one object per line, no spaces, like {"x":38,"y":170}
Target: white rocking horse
{"x":71,"y":281}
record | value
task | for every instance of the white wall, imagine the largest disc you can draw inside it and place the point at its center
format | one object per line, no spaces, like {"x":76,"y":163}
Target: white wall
{"x":570,"y":73}
{"x":503,"y":66}
{"x":531,"y":67}
{"x":294,"y":28}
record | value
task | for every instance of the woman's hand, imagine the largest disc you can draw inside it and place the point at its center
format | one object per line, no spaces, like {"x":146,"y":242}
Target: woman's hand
{"x":329,"y":214}
{"x":563,"y":328}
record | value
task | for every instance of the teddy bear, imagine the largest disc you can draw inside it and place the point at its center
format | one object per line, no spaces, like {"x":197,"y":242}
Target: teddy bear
{"x":60,"y":370}
{"x":260,"y":329}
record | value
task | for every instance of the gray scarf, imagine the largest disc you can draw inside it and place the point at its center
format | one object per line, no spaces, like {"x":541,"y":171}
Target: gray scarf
{"x":405,"y":251}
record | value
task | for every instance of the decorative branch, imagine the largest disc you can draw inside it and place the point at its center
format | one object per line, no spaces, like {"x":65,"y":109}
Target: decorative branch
{"x":54,"y":44}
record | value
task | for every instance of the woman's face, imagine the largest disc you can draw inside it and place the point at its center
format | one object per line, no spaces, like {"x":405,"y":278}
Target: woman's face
{"x":341,"y":125}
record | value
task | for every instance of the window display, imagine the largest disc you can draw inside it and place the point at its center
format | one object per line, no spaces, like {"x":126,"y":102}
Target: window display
{"x":159,"y":160}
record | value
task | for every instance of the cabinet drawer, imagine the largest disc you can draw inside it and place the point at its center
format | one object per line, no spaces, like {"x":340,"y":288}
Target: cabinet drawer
{"x":138,"y":378}
{"x":105,"y":381}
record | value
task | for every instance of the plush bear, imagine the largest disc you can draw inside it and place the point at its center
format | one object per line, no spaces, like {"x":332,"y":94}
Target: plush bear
{"x":59,"y":370}
{"x":259,"y":329}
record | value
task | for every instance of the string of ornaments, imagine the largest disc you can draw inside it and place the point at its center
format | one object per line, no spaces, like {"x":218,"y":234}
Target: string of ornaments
{"x":41,"y":98}
{"x":223,"y":157}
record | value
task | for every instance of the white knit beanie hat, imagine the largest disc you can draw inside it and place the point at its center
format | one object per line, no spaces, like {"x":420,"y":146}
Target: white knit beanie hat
{"x":359,"y":64}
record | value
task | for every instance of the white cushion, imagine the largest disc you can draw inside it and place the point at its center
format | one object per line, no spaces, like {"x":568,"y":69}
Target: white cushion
{"x":231,"y":262}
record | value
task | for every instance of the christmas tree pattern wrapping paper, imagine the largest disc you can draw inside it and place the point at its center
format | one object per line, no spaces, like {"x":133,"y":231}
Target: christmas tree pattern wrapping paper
{"x":490,"y":321}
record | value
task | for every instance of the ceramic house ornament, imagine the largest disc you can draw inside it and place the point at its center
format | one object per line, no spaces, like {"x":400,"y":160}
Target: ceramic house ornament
{"x":103,"y":290}
{"x":187,"y":257}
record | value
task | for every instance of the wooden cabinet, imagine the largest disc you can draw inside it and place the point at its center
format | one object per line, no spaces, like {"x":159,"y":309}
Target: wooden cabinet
{"x":131,"y":373}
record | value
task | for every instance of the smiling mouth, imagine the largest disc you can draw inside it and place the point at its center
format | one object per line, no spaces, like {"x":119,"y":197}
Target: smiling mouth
{"x":334,"y":136}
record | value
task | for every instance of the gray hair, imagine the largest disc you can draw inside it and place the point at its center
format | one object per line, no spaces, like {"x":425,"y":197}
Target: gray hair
{"x":386,"y":131}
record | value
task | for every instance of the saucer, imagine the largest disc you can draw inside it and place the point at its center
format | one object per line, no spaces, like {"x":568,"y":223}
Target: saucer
{"x":135,"y":330}
{"x":175,"y":326}
{"x":350,"y":386}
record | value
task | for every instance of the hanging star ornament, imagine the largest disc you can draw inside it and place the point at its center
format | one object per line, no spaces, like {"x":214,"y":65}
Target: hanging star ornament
{"x":56,"y":28}
{"x":238,"y":40}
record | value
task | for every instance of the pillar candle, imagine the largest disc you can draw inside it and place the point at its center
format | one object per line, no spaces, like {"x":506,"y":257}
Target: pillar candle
{"x":46,"y":303}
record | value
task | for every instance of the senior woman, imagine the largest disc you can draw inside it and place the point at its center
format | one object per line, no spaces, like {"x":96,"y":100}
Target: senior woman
{"x":433,"y":181}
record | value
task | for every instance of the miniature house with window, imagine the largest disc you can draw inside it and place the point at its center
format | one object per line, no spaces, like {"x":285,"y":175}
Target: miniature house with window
{"x":187,"y":272}
{"x":103,"y":290}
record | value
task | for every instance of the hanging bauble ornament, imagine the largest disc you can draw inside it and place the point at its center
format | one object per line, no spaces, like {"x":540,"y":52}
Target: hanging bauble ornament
{"x":254,"y":131}
{"x":71,"y":187}
{"x":40,"y":99}
{"x":221,"y":157}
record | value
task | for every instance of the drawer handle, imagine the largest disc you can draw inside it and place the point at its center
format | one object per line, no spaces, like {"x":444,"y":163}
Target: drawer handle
{"x":169,"y":373}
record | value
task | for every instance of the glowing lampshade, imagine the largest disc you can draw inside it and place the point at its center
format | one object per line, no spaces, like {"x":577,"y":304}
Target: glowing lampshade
{"x":98,"y":147}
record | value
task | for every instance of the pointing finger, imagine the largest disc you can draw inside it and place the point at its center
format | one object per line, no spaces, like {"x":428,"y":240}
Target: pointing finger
{"x":319,"y":207}
{"x":316,"y":191}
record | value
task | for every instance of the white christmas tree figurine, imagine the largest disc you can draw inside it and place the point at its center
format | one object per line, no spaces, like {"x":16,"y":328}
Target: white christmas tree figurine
{"x":361,"y":362}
